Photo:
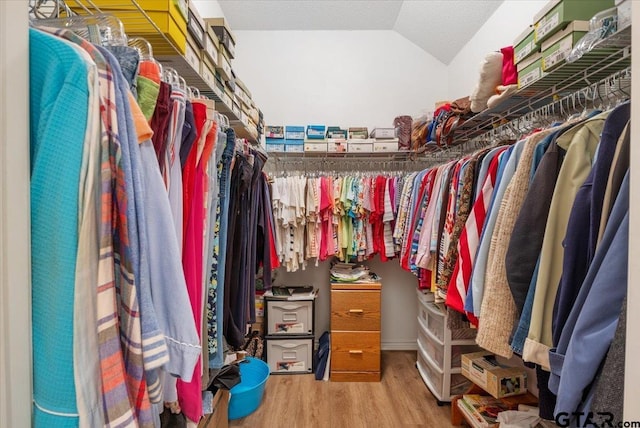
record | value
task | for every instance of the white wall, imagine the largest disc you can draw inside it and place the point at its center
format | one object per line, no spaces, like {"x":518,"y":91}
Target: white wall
{"x":500,"y":30}
{"x":346,"y":78}
{"x":15,"y":268}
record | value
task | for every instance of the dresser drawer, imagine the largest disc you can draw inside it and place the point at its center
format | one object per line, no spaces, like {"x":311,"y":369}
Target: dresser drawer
{"x":290,"y":317}
{"x":355,"y":310}
{"x":355,"y":351}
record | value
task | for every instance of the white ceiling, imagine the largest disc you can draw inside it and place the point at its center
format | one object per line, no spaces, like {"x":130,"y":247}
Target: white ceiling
{"x":440,"y":27}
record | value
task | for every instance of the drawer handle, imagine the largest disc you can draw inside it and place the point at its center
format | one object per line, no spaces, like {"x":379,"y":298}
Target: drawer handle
{"x":356,"y":311}
{"x":355,"y":351}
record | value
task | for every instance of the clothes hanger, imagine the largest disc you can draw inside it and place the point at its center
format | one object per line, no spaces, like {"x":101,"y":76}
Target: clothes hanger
{"x":100,"y":29}
{"x":42,"y":9}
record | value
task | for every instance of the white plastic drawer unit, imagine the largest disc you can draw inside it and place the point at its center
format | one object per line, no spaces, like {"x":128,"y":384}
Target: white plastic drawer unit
{"x":290,"y":355}
{"x":432,"y":315}
{"x":290,"y":316}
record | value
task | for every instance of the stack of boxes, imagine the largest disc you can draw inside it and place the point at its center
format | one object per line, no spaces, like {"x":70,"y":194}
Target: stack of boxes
{"x":331,"y":139}
{"x":290,"y":334}
{"x":294,"y":139}
{"x":274,"y":138}
{"x":225,"y":84}
{"x":196,"y":40}
{"x":315,"y":140}
{"x":556,"y":30}
{"x":336,"y":139}
{"x":359,"y":140}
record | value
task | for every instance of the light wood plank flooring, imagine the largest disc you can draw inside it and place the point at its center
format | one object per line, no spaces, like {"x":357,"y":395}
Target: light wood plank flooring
{"x":401,"y":399}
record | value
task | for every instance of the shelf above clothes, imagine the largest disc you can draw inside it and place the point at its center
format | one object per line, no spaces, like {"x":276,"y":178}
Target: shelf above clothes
{"x":608,"y":57}
{"x":161,"y":31}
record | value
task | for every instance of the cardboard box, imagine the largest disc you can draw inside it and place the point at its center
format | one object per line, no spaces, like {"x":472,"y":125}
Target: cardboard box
{"x":386,"y":145}
{"x":360,"y":145}
{"x":499,"y":381}
{"x":557,"y":13}
{"x":556,"y":48}
{"x":528,"y":61}
{"x":315,"y":146}
{"x":381,"y":133}
{"x":193,"y":54}
{"x":530,"y":74}
{"x":337,"y":145}
{"x":221,"y":28}
{"x":316,"y":132}
{"x":336,"y":132}
{"x":207,"y":72}
{"x":294,"y":132}
{"x":196,"y":26}
{"x":275,"y":145}
{"x":244,"y":88}
{"x":169,"y":16}
{"x":274,"y":131}
{"x":358,"y":133}
{"x":224,"y":65}
{"x":294,"y":146}
{"x":524,"y":46}
{"x":211,"y":49}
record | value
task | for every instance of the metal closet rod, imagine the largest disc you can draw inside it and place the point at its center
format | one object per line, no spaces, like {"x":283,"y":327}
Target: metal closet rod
{"x":355,"y":165}
{"x":600,"y":95}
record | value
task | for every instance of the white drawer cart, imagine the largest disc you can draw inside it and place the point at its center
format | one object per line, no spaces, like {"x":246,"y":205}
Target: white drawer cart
{"x":440,"y":350}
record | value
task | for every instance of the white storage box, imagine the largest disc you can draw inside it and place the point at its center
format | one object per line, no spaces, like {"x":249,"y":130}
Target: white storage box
{"x":383,"y":133}
{"x":365,"y":145}
{"x":386,"y":145}
{"x":335,"y":145}
{"x":289,"y":316}
{"x":289,"y":355}
{"x":315,"y":146}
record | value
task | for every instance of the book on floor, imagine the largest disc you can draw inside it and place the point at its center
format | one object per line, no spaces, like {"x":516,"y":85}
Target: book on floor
{"x":472,"y":417}
{"x":486,"y":407}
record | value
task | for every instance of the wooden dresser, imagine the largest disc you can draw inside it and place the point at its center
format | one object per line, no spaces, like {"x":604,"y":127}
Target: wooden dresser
{"x":355,"y":332}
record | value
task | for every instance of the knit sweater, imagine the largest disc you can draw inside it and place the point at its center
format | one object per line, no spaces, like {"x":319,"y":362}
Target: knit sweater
{"x":497,"y":313}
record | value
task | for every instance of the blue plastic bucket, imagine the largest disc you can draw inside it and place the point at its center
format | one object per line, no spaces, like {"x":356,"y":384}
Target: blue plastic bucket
{"x":247,"y":395}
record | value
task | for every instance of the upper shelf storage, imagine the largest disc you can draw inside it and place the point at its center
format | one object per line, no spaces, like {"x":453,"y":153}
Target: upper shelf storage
{"x":609,"y":56}
{"x":185,"y":42}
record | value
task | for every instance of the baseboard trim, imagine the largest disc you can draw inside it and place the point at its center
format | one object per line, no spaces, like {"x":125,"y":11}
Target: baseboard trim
{"x":399,"y":346}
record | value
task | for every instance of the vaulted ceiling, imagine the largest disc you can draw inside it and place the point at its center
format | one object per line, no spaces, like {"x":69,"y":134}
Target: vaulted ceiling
{"x":440,"y":27}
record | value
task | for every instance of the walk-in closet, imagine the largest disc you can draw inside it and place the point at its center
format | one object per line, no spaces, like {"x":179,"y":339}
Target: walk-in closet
{"x":305,"y":213}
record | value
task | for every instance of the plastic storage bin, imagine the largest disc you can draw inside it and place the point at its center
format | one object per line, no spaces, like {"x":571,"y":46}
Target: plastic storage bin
{"x":247,"y":395}
{"x":290,"y":316}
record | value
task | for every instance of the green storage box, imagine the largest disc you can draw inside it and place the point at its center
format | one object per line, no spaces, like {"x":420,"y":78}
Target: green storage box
{"x":524,"y":46}
{"x":530,"y":74}
{"x":556,"y":48}
{"x":565,"y":11}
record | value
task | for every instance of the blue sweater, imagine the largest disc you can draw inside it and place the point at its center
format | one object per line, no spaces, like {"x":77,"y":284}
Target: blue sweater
{"x":59,"y":102}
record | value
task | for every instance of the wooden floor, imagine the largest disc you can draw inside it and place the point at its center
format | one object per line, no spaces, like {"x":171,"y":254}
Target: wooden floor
{"x":401,"y":399}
